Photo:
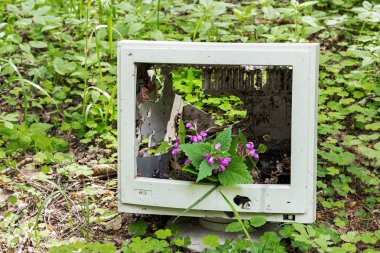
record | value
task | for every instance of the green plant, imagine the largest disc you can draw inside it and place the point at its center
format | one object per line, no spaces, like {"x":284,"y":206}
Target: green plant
{"x":216,"y":160}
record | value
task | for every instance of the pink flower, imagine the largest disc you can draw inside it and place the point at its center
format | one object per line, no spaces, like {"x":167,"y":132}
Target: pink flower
{"x":211,"y":161}
{"x":217,"y":146}
{"x":176,"y":143}
{"x":250,"y":145}
{"x":253,"y":153}
{"x":189,"y":125}
{"x":224,"y":161}
{"x":194,"y":139}
{"x":203,"y":133}
{"x":207,"y":156}
{"x":175,"y":152}
{"x":187,"y":161}
{"x":221,"y":167}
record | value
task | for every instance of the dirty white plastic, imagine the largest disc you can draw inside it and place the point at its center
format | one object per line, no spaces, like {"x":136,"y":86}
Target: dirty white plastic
{"x":160,"y":196}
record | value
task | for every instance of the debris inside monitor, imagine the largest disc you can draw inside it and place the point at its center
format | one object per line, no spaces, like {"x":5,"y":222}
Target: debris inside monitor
{"x":264,"y":93}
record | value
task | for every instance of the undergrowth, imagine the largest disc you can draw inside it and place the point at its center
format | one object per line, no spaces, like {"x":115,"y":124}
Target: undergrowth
{"x":58,"y":118}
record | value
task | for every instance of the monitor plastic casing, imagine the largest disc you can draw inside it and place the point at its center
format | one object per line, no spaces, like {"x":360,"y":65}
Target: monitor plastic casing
{"x":171,"y":197}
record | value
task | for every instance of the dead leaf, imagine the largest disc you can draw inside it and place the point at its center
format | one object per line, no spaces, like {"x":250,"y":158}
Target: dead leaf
{"x":114,"y":224}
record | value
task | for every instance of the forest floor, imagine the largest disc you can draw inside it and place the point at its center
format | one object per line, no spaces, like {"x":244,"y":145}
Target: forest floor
{"x":58,"y":118}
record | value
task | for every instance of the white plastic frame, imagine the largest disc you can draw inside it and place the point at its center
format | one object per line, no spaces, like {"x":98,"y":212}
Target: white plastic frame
{"x":171,"y":197}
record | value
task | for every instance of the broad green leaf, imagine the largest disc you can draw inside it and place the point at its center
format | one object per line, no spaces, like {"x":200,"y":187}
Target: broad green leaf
{"x":310,"y":3}
{"x":27,"y":6}
{"x":235,"y":173}
{"x":234,"y":227}
{"x":40,"y":127}
{"x":205,"y":169}
{"x":224,"y":138}
{"x":369,"y":238}
{"x":261,"y":148}
{"x":163,"y":233}
{"x":137,"y":228}
{"x":258,"y":221}
{"x":62,"y":66}
{"x":196,"y":151}
{"x":179,"y":242}
{"x":309,"y":21}
{"x":351,"y":236}
{"x":211,"y":241}
{"x":373,"y":126}
{"x":38,"y":44}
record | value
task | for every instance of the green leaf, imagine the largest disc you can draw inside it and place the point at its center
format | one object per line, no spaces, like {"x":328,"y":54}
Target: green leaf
{"x":261,"y":148}
{"x":38,"y":44}
{"x":258,"y":221}
{"x":190,"y":168}
{"x":309,"y":20}
{"x":205,"y":169}
{"x":351,"y":236}
{"x":179,"y":242}
{"x":224,"y":138}
{"x":235,"y":173}
{"x":181,"y":132}
{"x":27,"y":6}
{"x":242,"y":138}
{"x":62,"y":66}
{"x":162,"y":148}
{"x":211,"y":241}
{"x":163,"y":233}
{"x":332,"y":171}
{"x":373,"y":126}
{"x":234,"y":227}
{"x":234,"y":143}
{"x":368,"y":237}
{"x":40,"y":128}
{"x":137,"y":228}
{"x":196,"y":151}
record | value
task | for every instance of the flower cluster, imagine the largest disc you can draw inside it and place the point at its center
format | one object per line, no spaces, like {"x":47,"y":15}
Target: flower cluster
{"x":175,"y":150}
{"x":223,"y":162}
{"x":197,"y":137}
{"x":251,"y":151}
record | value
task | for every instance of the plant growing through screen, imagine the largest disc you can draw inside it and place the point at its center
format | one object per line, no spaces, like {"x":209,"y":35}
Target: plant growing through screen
{"x":222,"y":159}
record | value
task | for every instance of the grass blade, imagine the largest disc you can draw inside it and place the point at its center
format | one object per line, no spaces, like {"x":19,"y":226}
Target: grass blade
{"x":237,"y":217}
{"x":197,"y":202}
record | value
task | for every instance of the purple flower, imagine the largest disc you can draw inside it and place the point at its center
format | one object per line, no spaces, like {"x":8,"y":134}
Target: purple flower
{"x":189,"y":125}
{"x":196,"y":122}
{"x":194,"y":139}
{"x":187,"y":161}
{"x":211,"y":161}
{"x":207,"y":156}
{"x":176,"y":143}
{"x":250,"y":145}
{"x":175,"y":152}
{"x":224,"y":161}
{"x":203,"y":133}
{"x":253,"y":153}
{"x":217,"y":146}
{"x":215,"y":171}
{"x":221,"y":167}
